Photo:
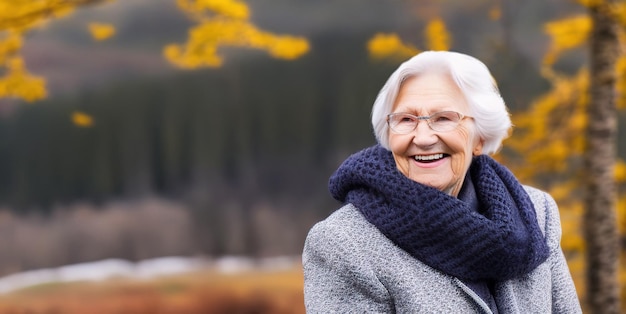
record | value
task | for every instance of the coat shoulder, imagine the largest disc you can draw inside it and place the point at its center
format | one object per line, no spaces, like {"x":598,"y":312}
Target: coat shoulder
{"x":340,"y":230}
{"x":544,"y":206}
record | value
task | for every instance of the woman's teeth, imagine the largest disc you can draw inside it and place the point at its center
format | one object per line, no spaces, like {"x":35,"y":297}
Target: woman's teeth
{"x":428,"y":157}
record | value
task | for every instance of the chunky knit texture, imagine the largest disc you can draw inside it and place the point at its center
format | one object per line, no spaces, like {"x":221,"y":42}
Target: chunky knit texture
{"x":500,"y":242}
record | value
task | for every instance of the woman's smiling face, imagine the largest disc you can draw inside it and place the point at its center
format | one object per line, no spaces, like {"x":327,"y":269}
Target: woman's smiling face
{"x":437,"y":159}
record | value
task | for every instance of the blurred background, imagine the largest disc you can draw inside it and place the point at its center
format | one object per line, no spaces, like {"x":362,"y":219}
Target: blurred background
{"x":130,"y":144}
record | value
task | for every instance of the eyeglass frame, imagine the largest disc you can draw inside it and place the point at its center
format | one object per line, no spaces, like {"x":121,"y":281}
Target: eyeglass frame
{"x":428,"y":120}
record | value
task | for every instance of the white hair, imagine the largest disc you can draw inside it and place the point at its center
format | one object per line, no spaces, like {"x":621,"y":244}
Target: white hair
{"x":492,"y":119}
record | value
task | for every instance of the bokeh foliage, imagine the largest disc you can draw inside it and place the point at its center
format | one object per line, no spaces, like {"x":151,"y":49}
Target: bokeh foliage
{"x":219,"y":24}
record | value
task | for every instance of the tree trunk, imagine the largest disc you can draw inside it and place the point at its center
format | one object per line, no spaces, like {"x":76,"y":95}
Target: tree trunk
{"x":600,"y":212}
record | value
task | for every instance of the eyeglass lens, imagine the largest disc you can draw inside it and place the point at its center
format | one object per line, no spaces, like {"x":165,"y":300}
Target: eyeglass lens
{"x":441,"y":121}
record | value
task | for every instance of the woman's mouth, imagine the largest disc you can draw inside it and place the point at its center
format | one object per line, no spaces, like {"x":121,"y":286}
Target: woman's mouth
{"x":429,"y":158}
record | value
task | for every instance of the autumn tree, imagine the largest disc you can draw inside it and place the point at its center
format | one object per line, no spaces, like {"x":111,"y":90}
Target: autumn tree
{"x":219,"y":23}
{"x":599,"y":159}
{"x":579,"y":149}
{"x":18,"y":17}
{"x":390,"y":45}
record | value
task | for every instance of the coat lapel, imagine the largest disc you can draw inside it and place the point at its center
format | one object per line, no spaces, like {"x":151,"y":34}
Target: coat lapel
{"x":468,"y":291}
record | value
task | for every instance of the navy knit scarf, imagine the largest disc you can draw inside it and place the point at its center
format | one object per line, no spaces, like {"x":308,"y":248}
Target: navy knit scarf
{"x":499,"y":242}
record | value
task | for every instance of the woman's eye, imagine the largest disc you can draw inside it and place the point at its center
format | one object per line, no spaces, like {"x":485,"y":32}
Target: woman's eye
{"x":444,"y":118}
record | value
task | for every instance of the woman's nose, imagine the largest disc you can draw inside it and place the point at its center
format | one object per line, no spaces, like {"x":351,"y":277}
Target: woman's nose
{"x":423,"y":135}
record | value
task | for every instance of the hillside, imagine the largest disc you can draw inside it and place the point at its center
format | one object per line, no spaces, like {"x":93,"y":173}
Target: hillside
{"x":63,"y":51}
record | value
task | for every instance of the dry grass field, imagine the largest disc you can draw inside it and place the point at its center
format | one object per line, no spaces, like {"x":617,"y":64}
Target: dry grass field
{"x":203,"y":292}
{"x":200,"y":292}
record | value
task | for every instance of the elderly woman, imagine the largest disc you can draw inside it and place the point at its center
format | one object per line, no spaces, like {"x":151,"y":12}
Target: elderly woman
{"x":431,"y":223}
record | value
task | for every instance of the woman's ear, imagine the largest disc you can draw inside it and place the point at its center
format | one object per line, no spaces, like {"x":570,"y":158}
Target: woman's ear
{"x":478,"y":149}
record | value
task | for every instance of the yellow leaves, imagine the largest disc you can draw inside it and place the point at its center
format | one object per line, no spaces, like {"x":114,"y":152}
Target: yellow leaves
{"x":100,"y":31}
{"x":9,"y":46}
{"x":204,"y":41}
{"x":551,"y":158}
{"x":228,"y":8}
{"x":571,"y":224}
{"x":16,"y":18}
{"x":437,"y":36}
{"x":560,"y":136}
{"x":20,"y":15}
{"x":566,"y":34}
{"x":228,"y":26}
{"x":19,"y":83}
{"x":287,"y":47}
{"x":220,"y":23}
{"x":578,"y":121}
{"x":562,"y":107}
{"x":389,"y":46}
{"x":562,"y":192}
{"x":549,"y":135}
{"x":81,"y":119}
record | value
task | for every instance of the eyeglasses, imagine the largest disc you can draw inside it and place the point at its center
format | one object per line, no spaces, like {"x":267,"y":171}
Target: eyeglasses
{"x":405,"y":123}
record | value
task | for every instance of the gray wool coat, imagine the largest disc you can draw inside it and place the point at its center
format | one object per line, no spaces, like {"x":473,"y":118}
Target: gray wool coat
{"x":350,"y":267}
